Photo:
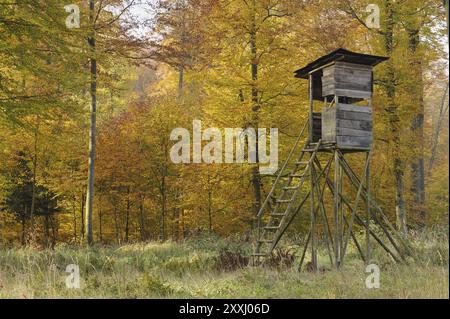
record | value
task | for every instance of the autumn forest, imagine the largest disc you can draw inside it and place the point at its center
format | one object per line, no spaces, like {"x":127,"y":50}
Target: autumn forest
{"x":90,"y":92}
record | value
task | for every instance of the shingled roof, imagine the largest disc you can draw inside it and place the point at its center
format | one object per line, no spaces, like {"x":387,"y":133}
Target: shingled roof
{"x":340,"y":55}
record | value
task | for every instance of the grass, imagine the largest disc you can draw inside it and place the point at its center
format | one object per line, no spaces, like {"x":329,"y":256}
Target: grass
{"x":193,"y":270}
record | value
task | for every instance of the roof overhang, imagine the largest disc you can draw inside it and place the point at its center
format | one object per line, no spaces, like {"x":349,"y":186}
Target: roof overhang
{"x":339,"y":55}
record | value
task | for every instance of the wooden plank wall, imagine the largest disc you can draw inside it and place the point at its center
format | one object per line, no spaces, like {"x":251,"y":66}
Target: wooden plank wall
{"x":350,"y":126}
{"x":317,"y":126}
{"x":347,"y":79}
{"x":329,"y":124}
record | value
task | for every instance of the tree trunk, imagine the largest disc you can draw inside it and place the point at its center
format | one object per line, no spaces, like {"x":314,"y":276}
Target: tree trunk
{"x":210,"y":206}
{"x":176,"y":215}
{"x":163,"y":209}
{"x":100,"y":219}
{"x":446,"y":17}
{"x":256,"y":178}
{"x":394,"y":125}
{"x":82,"y":216}
{"x":33,"y":186}
{"x":74,"y":220}
{"x":116,"y":223}
{"x":23,"y":240}
{"x":141,"y":219}
{"x":54,"y":225}
{"x":163,"y":192}
{"x":180,"y":81}
{"x":441,"y":111}
{"x":47,"y":230}
{"x":183,"y":231}
{"x":92,"y":130}
{"x":417,"y":165}
{"x":440,"y":120}
{"x":127,"y":216}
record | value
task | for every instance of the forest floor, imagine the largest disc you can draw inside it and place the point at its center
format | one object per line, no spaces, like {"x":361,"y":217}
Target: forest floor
{"x":205,"y":268}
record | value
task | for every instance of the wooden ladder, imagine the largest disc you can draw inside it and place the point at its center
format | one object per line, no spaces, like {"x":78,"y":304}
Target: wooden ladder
{"x":281,"y":208}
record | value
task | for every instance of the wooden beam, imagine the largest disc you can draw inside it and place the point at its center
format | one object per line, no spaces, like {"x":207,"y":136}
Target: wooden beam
{"x":311,"y":101}
{"x":347,"y":203}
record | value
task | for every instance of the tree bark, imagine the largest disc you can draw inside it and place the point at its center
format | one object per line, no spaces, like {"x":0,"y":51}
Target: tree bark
{"x":210,"y":209}
{"x":74,"y":220}
{"x":163,"y":208}
{"x":23,"y":221}
{"x":440,"y":120}
{"x":394,"y":121}
{"x":141,"y":220}
{"x":116,"y":223}
{"x":33,"y":186}
{"x":256,"y":178}
{"x":47,"y":229}
{"x":100,"y":219}
{"x":163,"y":193}
{"x":127,"y":216}
{"x":82,"y":216}
{"x":180,"y":81}
{"x":54,"y":225}
{"x":92,"y":129}
{"x":417,"y":165}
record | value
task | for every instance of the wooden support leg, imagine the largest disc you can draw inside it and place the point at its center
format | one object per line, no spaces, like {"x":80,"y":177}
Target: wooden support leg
{"x":367,"y":173}
{"x":316,"y":209}
{"x":353,"y":210}
{"x":304,"y":251}
{"x":355,"y":182}
{"x":336,"y":211}
{"x":341,"y":216}
{"x":327,"y":230}
{"x":360,"y":221}
{"x":313,"y":221}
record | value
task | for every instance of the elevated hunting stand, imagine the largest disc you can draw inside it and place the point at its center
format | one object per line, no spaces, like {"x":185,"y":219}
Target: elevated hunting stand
{"x":343,"y":82}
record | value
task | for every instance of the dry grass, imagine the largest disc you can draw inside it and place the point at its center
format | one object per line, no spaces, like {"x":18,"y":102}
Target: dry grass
{"x":211,"y":268}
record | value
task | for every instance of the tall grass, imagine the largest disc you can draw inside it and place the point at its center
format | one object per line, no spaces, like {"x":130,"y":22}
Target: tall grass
{"x":198,"y":269}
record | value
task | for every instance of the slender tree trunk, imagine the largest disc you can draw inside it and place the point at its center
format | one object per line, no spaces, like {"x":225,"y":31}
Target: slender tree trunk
{"x":53,"y":225}
{"x":47,"y":229}
{"x":176,"y":215}
{"x":100,"y":219}
{"x":256,"y":178}
{"x":116,"y":223}
{"x":163,"y":192}
{"x":92,"y":130}
{"x":417,"y":165}
{"x":180,"y":81}
{"x":183,"y":231}
{"x":23,"y":240}
{"x":446,"y":16}
{"x":82,"y":216}
{"x":74,"y":220}
{"x":163,"y":208}
{"x":141,"y":219}
{"x":210,"y":206}
{"x":33,"y":186}
{"x":440,"y":120}
{"x":127,"y":216}
{"x":394,"y":121}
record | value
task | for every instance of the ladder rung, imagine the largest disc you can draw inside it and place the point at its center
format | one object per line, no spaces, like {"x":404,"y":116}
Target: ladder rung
{"x":297,"y":175}
{"x":290,"y":188}
{"x":302,"y":163}
{"x":277,"y":214}
{"x":271,"y":227}
{"x":267,"y":241}
{"x":309,"y":149}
